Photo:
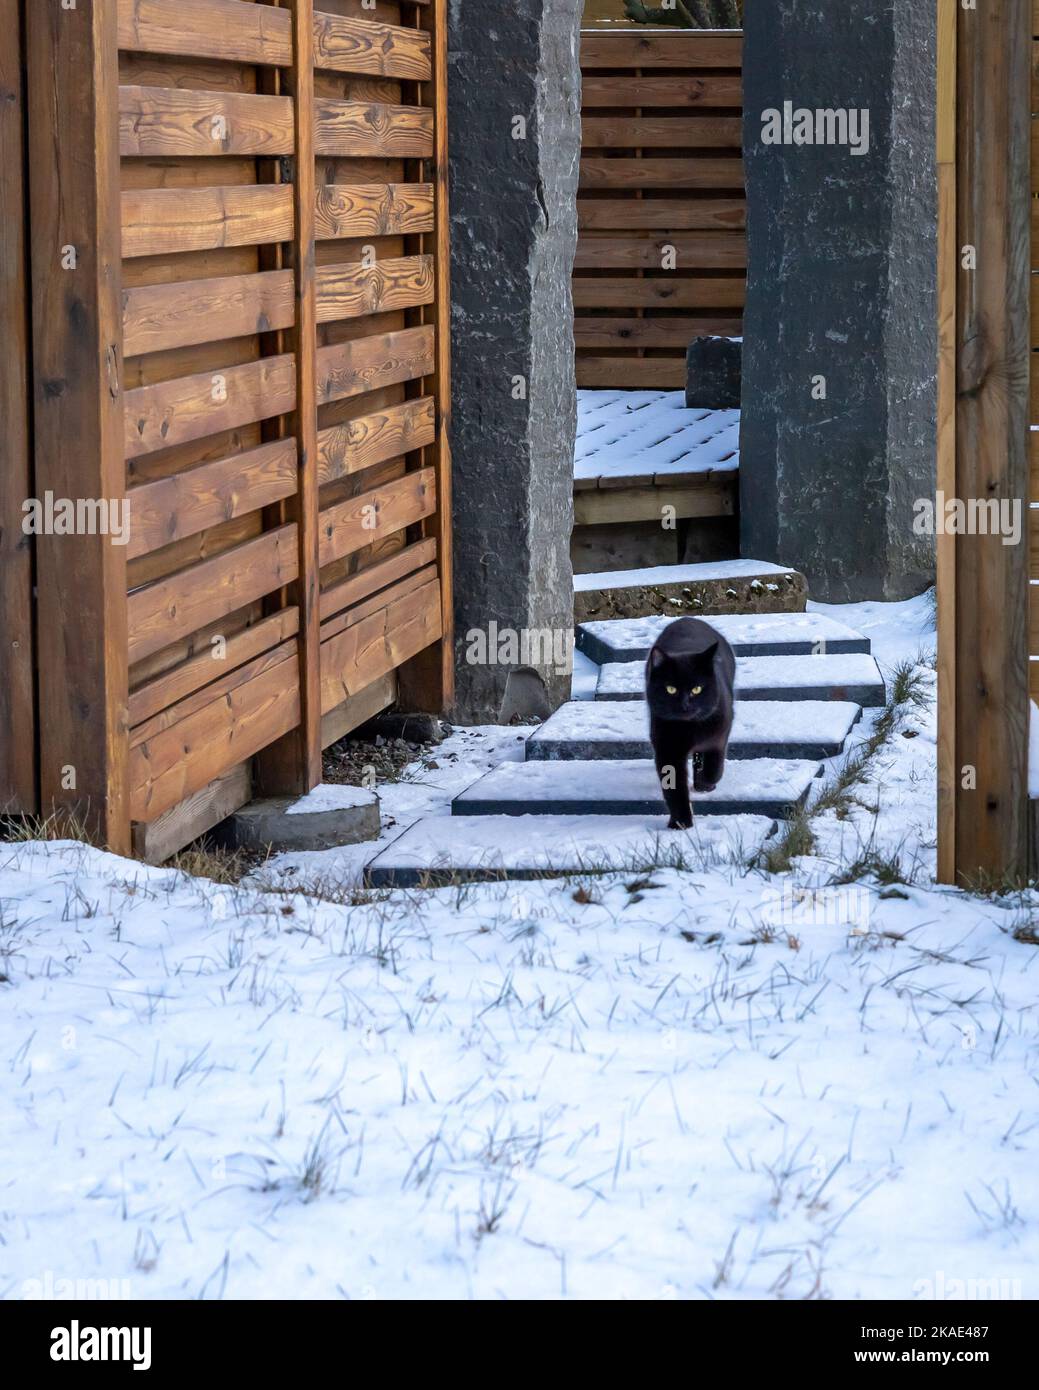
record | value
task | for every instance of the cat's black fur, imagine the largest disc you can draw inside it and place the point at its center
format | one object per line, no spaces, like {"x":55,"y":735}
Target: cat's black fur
{"x":689,"y":654}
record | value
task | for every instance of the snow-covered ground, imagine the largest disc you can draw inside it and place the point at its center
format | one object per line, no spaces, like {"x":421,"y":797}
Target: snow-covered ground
{"x":709,"y":1084}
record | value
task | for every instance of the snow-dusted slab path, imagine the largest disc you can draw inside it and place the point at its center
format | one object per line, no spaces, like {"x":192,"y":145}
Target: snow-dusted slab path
{"x":854,"y":678}
{"x":651,"y":434}
{"x":441,"y":849}
{"x":769,"y":787}
{"x":692,"y":575}
{"x":750,"y":634}
{"x":588,"y":729}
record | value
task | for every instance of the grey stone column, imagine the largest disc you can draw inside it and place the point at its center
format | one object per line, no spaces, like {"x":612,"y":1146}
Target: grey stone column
{"x":514,"y":104}
{"x":841,"y":285}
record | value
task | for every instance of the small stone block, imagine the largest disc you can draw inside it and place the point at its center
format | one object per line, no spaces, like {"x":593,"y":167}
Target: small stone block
{"x":340,"y":816}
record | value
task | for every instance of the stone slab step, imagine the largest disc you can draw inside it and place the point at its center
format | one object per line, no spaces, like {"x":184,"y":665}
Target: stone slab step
{"x":768,"y":787}
{"x":586,"y":730}
{"x":855,"y":678}
{"x":446,"y":849}
{"x":717,"y":586}
{"x":750,"y":634}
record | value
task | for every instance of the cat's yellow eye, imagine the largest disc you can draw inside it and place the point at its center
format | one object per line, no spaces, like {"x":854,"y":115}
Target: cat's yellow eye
{"x":697,"y":689}
{"x":672,"y":690}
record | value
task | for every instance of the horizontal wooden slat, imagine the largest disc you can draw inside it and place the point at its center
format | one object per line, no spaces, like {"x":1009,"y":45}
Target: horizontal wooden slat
{"x":365,"y":364}
{"x":360,"y":521}
{"x":681,"y":50}
{"x":670,"y":214}
{"x":635,"y":373}
{"x":181,"y":760}
{"x":170,"y":608}
{"x":629,"y":89}
{"x":674,"y":292}
{"x":161,"y":221}
{"x":352,"y":291}
{"x":650,"y":503}
{"x":160,"y":121}
{"x":225,"y":29}
{"x":692,"y":251}
{"x":199,"y":671}
{"x":662,"y":132}
{"x":661,"y":173}
{"x":361,"y":45}
{"x":375,"y":577}
{"x":373,"y":209}
{"x":355,"y":657}
{"x":371,"y":439}
{"x":372,"y":129}
{"x":649,"y":332}
{"x":175,"y":412}
{"x":169,"y":509}
{"x":159,"y":317}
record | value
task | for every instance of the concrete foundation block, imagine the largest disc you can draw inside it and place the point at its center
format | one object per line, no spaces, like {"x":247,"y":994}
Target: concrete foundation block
{"x":329,"y":817}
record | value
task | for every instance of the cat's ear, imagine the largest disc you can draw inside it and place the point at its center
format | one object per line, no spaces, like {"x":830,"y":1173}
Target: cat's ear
{"x":656,"y":659}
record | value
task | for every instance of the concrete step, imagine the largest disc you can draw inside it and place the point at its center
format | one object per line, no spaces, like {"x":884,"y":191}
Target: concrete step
{"x":855,"y":678}
{"x":768,"y":787}
{"x":586,"y":730}
{"x":750,"y":634}
{"x":718,"y":586}
{"x":446,"y":849}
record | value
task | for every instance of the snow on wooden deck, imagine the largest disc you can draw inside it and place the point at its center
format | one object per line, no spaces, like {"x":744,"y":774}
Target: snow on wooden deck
{"x":623,"y":434}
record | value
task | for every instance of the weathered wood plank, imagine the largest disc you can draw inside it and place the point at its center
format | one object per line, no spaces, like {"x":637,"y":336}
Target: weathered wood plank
{"x":355,"y":657}
{"x":661,"y":132}
{"x":187,"y":408}
{"x":620,"y":49}
{"x":81,"y":589}
{"x":633,"y":333}
{"x":365,"y":364}
{"x":352,"y":291}
{"x":370,"y":439}
{"x":992,"y":417}
{"x":692,"y":174}
{"x":364,"y":46}
{"x":371,"y":516}
{"x":194,"y":817}
{"x":160,"y":692}
{"x":357,"y":129}
{"x":175,"y":121}
{"x":376,"y":577}
{"x":170,"y":608}
{"x":17,"y":693}
{"x":163,"y":221}
{"x":688,"y":251}
{"x":674,"y":292}
{"x":624,"y":505}
{"x":635,"y":373}
{"x":672,"y":214}
{"x":185,"y":503}
{"x":373,"y":209}
{"x":227,"y":29}
{"x":188,"y":313}
{"x":631,"y":89}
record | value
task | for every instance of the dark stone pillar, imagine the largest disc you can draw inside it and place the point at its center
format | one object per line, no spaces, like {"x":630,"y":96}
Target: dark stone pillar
{"x":841,"y":286}
{"x":514,"y":96}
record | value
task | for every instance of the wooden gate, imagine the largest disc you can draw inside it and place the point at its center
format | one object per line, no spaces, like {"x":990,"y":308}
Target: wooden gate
{"x":662,"y":252}
{"x":240,"y":301}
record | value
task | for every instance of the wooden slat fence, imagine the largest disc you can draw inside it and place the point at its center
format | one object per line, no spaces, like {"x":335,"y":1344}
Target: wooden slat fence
{"x":662,"y":252}
{"x":251,"y":349}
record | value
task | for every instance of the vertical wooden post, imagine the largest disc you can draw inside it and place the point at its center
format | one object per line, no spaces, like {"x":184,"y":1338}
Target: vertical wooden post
{"x":990,"y":644}
{"x":78,"y":408}
{"x":427,"y":682}
{"x":294,"y":763}
{"x":948,"y":270}
{"x":17,"y":693}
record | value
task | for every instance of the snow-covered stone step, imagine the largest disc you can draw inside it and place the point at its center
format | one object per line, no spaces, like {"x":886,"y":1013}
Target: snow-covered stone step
{"x":446,"y":849}
{"x":855,"y":678}
{"x":763,"y":787}
{"x":716,"y":586}
{"x":586,"y":730}
{"x":750,"y":634}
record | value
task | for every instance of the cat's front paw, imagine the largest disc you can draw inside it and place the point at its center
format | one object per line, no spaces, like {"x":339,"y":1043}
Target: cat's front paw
{"x":705,"y":787}
{"x":676,"y":823}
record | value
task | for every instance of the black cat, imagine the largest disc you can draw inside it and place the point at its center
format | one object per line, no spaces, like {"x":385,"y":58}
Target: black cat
{"x":689,"y":689}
